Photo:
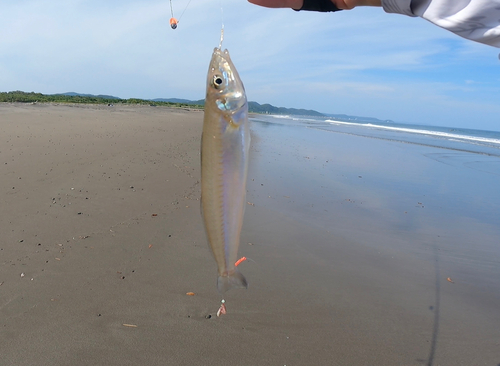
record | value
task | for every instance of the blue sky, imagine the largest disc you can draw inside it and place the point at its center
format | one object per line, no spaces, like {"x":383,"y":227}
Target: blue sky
{"x":361,"y":62}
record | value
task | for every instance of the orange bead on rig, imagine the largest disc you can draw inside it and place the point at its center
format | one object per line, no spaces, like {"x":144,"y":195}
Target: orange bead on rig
{"x":173,"y":23}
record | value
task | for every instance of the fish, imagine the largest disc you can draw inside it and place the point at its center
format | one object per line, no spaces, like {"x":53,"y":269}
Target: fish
{"x":225,"y":145}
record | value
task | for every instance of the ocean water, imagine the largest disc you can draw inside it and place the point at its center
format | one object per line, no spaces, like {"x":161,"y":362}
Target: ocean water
{"x":459,"y":139}
{"x":416,"y":208}
{"x":416,"y":190}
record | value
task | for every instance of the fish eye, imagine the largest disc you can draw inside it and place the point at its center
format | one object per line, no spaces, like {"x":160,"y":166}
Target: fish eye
{"x":218,"y":82}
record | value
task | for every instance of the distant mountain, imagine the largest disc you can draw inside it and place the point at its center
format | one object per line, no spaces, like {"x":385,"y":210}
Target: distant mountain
{"x":253,"y":107}
{"x":173,"y":100}
{"x":73,"y":94}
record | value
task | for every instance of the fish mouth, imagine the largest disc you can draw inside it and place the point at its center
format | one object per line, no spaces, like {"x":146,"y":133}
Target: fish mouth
{"x":218,"y":55}
{"x":221,"y":62}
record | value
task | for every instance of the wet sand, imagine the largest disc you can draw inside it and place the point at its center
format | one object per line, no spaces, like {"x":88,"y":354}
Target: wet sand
{"x":101,"y":239}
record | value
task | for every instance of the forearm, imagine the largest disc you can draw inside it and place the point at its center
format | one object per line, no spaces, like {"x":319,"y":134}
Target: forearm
{"x":477,"y":20}
{"x":297,"y":4}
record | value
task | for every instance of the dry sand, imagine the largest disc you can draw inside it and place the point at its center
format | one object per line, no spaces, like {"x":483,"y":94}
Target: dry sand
{"x":101,"y":239}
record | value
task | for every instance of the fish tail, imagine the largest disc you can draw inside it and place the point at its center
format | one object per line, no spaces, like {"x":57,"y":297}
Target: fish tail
{"x":231,"y":280}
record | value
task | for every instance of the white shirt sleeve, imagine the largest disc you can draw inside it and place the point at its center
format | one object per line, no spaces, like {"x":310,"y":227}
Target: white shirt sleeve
{"x":477,"y":20}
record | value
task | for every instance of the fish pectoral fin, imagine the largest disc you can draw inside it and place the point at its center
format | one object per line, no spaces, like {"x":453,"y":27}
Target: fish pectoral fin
{"x":231,"y":280}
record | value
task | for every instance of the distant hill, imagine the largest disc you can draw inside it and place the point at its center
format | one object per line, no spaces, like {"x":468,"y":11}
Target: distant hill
{"x":253,"y":107}
{"x":174,"y":100}
{"x":79,"y":98}
{"x":73,"y":94}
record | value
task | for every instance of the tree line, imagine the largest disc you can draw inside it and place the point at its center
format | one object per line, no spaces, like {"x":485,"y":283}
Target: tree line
{"x":32,"y":97}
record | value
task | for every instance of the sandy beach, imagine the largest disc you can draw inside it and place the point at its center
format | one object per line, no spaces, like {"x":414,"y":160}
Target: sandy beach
{"x":362,"y":251}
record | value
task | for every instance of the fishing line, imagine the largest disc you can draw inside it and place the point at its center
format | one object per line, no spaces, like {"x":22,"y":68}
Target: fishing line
{"x":184,"y":9}
{"x":173,"y":21}
{"x":222,"y":309}
{"x":222,"y":25}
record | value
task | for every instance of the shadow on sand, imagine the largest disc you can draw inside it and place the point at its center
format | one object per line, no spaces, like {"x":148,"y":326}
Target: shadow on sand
{"x":436,"y":309}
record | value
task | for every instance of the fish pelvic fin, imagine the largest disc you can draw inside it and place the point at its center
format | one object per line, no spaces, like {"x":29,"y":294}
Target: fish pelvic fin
{"x":231,"y":280}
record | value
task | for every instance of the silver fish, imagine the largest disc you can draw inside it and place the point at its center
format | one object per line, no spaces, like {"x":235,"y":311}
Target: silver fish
{"x":225,"y":144}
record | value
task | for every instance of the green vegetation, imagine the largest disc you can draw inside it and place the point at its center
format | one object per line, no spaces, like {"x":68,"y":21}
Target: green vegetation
{"x":253,"y":107}
{"x":23,"y":97}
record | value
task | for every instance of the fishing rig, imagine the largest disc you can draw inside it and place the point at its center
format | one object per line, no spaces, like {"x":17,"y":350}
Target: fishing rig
{"x":173,"y":20}
{"x":222,"y":309}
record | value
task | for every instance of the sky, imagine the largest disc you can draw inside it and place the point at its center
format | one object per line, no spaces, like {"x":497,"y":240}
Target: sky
{"x":362,"y":62}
